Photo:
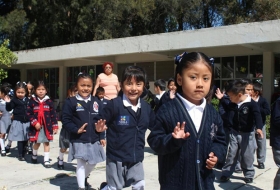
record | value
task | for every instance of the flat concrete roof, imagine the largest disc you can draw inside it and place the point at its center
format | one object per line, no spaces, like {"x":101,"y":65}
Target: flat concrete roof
{"x":241,"y":39}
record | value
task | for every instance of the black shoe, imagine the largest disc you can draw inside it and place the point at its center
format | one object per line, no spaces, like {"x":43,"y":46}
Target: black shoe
{"x":248,"y":180}
{"x":3,"y":153}
{"x":7,"y":149}
{"x":34,"y":160}
{"x":224,"y":179}
{"x":21,"y":158}
{"x":87,"y":185}
{"x":261,"y":166}
{"x":238,"y":171}
{"x":60,"y":167}
{"x":103,"y":184}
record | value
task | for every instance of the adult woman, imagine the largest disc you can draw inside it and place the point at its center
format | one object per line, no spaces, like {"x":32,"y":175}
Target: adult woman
{"x":109,"y":81}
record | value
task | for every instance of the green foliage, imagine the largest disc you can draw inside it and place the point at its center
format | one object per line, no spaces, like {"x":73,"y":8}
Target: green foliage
{"x":267,"y":124}
{"x":7,"y":58}
{"x":215,"y":103}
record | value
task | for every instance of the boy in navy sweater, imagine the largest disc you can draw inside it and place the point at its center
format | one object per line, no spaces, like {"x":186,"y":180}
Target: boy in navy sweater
{"x":242,"y":134}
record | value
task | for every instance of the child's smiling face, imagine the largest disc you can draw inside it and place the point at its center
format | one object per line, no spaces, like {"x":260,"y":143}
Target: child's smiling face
{"x":133,"y":89}
{"x":84,"y":87}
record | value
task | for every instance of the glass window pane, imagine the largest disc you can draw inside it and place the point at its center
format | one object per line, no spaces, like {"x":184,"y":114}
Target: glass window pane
{"x":256,"y":66}
{"x":241,"y":67}
{"x":217,"y":67}
{"x":121,"y":68}
{"x":227,"y":67}
{"x":165,"y":70}
{"x":149,"y":68}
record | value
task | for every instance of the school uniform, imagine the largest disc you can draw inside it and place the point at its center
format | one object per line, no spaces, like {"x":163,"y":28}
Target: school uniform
{"x":20,"y":125}
{"x":242,"y":137}
{"x":43,"y":112}
{"x":127,"y":126}
{"x":5,"y":118}
{"x":85,"y":146}
{"x":261,"y":143}
{"x":275,"y":139}
{"x":182,"y":162}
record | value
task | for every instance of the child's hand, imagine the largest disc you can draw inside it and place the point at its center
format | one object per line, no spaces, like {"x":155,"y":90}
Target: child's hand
{"x":219,"y":94}
{"x":55,"y":131}
{"x":38,"y":126}
{"x":82,"y":129}
{"x":211,"y":161}
{"x":1,"y":113}
{"x":179,"y":131}
{"x":100,"y":126}
{"x":260,"y":133}
{"x":103,"y":142}
{"x":172,"y":94}
{"x":7,"y":98}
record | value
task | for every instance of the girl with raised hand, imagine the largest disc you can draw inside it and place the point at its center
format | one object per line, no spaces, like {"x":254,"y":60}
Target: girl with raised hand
{"x":20,"y":125}
{"x":86,"y":145}
{"x":188,"y":135}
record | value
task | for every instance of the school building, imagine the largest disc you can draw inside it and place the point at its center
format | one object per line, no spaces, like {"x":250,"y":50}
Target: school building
{"x":243,"y":50}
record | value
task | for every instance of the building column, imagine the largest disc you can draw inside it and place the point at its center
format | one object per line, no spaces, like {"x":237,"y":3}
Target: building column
{"x":268,"y":76}
{"x":23,"y":75}
{"x":62,"y":84}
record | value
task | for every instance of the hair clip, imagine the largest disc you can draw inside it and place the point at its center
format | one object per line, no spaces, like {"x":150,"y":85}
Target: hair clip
{"x":18,"y":82}
{"x":11,"y":93}
{"x":211,"y":60}
{"x":178,"y":58}
{"x":80,"y":73}
{"x":24,"y":83}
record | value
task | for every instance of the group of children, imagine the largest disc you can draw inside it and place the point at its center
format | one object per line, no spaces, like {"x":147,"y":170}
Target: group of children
{"x":187,"y":133}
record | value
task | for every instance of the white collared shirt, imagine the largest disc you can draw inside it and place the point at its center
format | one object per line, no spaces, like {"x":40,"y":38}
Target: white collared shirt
{"x":248,"y":99}
{"x":82,"y":99}
{"x":127,"y":103}
{"x":160,"y":95}
{"x":195,"y":112}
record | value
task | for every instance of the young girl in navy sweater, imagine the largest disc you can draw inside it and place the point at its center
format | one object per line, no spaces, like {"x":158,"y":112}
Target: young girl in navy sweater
{"x":188,"y":135}
{"x":86,"y":145}
{"x":127,"y":118}
{"x":20,"y":124}
{"x":42,"y":116}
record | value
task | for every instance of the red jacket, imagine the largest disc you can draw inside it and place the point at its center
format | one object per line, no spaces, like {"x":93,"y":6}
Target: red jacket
{"x":44,"y":113}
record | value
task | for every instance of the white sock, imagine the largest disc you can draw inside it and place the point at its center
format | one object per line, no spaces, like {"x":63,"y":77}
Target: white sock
{"x":2,"y":144}
{"x":80,"y":173}
{"x":88,"y":169}
{"x":34,"y":152}
{"x":60,"y":161}
{"x":46,"y":156}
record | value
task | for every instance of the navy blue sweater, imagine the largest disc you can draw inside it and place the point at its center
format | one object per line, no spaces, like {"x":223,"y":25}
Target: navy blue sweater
{"x":264,"y":108}
{"x":76,"y":113}
{"x":126,"y":130}
{"x":19,"y":108}
{"x":182,"y":162}
{"x":226,"y":110}
{"x":275,"y":125}
{"x":247,"y":116}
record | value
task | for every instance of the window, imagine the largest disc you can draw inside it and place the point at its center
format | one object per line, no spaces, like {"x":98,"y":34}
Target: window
{"x":149,"y":68}
{"x":228,"y":67}
{"x":256,"y":66}
{"x":165,"y":70}
{"x":241,"y":67}
{"x":121,"y":68}
{"x":72,"y":73}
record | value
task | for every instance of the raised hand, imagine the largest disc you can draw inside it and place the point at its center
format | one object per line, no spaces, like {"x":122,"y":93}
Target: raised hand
{"x":211,"y":161}
{"x":179,"y":131}
{"x":7,"y":98}
{"x":82,"y":129}
{"x":100,"y":126}
{"x":219,"y":94}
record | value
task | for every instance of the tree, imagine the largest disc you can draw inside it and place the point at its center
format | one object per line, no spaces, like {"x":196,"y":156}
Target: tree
{"x":7,"y":58}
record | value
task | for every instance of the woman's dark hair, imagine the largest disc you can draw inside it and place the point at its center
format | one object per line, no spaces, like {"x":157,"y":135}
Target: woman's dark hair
{"x":160,"y":83}
{"x":238,"y":86}
{"x":21,"y":85}
{"x":39,"y":83}
{"x":257,"y":87}
{"x":185,"y":60}
{"x":134,"y":72}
